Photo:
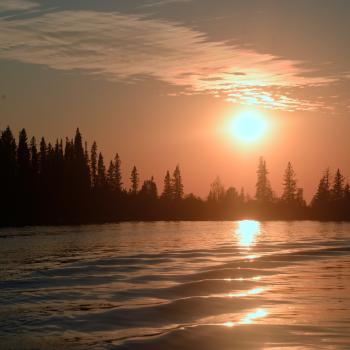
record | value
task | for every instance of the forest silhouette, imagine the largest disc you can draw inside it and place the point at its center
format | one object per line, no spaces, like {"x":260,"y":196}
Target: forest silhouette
{"x":67,"y":183}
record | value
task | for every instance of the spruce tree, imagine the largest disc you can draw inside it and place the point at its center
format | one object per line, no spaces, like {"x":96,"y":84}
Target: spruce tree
{"x":117,"y":173}
{"x":323,"y":193}
{"x":134,"y":179}
{"x":34,"y":157}
{"x":101,"y":172}
{"x":167,"y":188}
{"x":338,"y":186}
{"x":111,"y":175}
{"x":149,"y":189}
{"x":263,"y":188}
{"x":178,"y":188}
{"x":217,"y":190}
{"x":93,"y":164}
{"x":289,"y":184}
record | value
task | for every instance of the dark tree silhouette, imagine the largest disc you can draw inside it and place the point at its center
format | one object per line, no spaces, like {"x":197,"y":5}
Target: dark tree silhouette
{"x":149,"y":189}
{"x":337,"y":192}
{"x":167,"y":188}
{"x":62,"y":184}
{"x":323,"y":193}
{"x":178,"y":188}
{"x":117,"y":174}
{"x":289,"y":185}
{"x":101,"y":180}
{"x":217,"y":191}
{"x":263,"y":188}
{"x":134,"y":178}
{"x":93,"y":163}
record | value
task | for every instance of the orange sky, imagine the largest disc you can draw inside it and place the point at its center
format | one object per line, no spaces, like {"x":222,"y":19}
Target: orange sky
{"x":156,"y":80}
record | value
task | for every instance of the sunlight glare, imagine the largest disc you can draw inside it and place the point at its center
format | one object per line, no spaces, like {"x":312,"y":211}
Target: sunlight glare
{"x":249,"y":318}
{"x":248,"y":126}
{"x":246,"y":232}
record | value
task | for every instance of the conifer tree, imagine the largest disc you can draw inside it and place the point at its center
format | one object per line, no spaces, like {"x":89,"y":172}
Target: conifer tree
{"x":117,"y":173}
{"x":23,"y":155}
{"x":167,"y":188}
{"x":323,"y":192}
{"x":134,"y":179}
{"x":338,"y":186}
{"x":149,"y":189}
{"x":101,"y":172}
{"x":289,"y":184}
{"x":111,"y":175}
{"x":178,"y":188}
{"x":93,"y":164}
{"x":34,"y":157}
{"x":263,"y":188}
{"x":217,"y":190}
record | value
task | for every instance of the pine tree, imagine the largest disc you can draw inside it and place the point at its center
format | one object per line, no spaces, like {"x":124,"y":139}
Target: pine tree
{"x":117,"y":173}
{"x":111,"y":175}
{"x":43,"y":156}
{"x":323,"y":192}
{"x":134,"y":178}
{"x":167,"y":188}
{"x":23,"y":154}
{"x":101,"y":172}
{"x":338,"y":186}
{"x":149,"y":189}
{"x":289,"y":184}
{"x":81,"y":168}
{"x":34,"y":157}
{"x":217,"y":190}
{"x":178,"y":188}
{"x":93,"y":164}
{"x":263,"y":188}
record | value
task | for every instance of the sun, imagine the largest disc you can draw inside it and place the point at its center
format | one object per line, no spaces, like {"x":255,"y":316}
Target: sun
{"x":248,"y":126}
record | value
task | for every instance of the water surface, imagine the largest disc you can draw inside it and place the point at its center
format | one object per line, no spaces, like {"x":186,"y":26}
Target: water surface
{"x":177,"y":285}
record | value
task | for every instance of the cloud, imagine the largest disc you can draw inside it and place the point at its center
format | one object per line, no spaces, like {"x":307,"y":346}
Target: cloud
{"x":126,"y":47}
{"x":17,"y":5}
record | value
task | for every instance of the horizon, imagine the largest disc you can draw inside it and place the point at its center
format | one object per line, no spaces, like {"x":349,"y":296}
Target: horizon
{"x":126,"y":181}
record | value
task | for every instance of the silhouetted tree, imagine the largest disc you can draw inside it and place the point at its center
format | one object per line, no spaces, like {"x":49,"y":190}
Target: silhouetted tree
{"x":177,"y":186}
{"x":117,"y":173}
{"x":110,"y":176}
{"x":134,"y":178}
{"x":217,"y":190}
{"x":93,"y":163}
{"x":322,"y":196}
{"x":337,"y":192}
{"x":289,"y":184}
{"x":263,"y":188}
{"x":149,"y":189}
{"x":167,"y":188}
{"x":34,"y":157}
{"x":101,"y":179}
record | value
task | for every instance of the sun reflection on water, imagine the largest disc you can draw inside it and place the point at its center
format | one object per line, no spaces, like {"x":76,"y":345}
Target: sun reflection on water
{"x":253,"y":291}
{"x":247,"y":231}
{"x":249,"y":318}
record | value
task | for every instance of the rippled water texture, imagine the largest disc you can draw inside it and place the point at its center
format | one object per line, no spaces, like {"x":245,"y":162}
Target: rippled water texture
{"x":186,"y":285}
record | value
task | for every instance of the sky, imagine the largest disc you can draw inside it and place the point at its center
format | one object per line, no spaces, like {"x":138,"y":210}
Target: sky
{"x":159,"y":81}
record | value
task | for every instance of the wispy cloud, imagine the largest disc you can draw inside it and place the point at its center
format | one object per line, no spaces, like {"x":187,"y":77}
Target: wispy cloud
{"x":17,"y":5}
{"x":123,"y":46}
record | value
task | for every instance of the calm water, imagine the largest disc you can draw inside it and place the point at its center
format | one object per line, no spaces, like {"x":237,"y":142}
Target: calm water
{"x":190,"y":285}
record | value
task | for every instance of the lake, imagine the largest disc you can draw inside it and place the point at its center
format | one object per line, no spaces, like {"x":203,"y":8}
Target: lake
{"x":176,"y":285}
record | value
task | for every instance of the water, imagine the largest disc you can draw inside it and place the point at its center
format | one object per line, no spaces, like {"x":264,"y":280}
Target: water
{"x":177,"y":285}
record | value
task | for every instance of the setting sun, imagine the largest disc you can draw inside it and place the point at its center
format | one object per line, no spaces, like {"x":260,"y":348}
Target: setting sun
{"x":249,"y":126}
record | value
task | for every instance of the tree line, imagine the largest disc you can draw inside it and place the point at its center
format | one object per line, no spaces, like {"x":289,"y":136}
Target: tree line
{"x":69,"y":183}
